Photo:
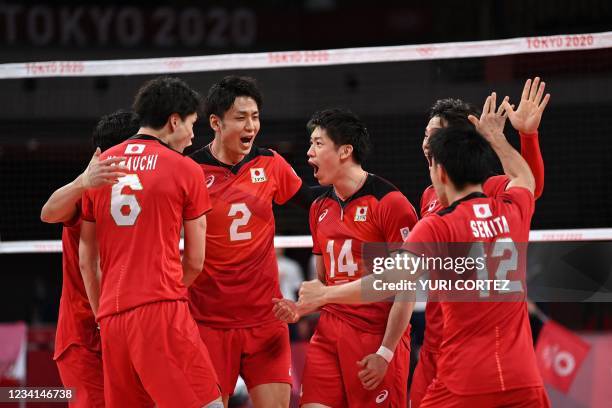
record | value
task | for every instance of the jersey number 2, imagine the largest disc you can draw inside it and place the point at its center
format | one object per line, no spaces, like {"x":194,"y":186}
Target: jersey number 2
{"x":119,"y":200}
{"x":239,"y":222}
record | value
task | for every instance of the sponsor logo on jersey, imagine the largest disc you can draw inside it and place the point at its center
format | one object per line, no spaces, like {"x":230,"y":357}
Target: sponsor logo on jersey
{"x":482,"y":210}
{"x":210,"y":180}
{"x":134,"y":149}
{"x":323,"y":214}
{"x":361,"y":214}
{"x":258,"y":175}
{"x":382,"y":397}
{"x":432,"y":205}
{"x":405,"y":231}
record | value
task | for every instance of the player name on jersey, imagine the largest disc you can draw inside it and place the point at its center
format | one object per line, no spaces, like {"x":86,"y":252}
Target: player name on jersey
{"x":490,"y":228}
{"x":140,"y":163}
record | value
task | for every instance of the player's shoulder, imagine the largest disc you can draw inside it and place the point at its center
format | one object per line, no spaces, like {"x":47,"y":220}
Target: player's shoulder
{"x":378,"y":187}
{"x":428,"y":194}
{"x":324,"y":193}
{"x":457,"y":208}
{"x":495,"y":184}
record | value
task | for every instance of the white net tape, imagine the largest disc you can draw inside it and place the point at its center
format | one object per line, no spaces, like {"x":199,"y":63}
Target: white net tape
{"x":523,"y":45}
{"x":146,"y":66}
{"x":305,"y":241}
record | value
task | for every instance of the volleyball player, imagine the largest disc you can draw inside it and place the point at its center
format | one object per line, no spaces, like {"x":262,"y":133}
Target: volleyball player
{"x":455,"y":112}
{"x":359,"y":354}
{"x":232,"y":299}
{"x":77,"y":340}
{"x":151,"y":348}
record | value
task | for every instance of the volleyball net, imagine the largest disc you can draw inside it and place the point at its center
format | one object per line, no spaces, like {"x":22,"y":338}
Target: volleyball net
{"x":50,"y":109}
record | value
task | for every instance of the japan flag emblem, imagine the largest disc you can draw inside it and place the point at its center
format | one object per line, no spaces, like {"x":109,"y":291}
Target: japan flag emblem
{"x":482,"y":210}
{"x":361,"y":214}
{"x":258,"y":175}
{"x":134,"y":149}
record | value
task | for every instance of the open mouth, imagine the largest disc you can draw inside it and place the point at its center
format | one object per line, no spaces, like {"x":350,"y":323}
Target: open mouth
{"x":246,"y":141}
{"x":315,"y":168}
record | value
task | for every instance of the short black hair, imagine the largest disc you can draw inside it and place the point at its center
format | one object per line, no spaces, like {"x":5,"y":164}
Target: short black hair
{"x":221,"y":96}
{"x":344,"y":128}
{"x":114,"y":128}
{"x":453,"y":111}
{"x":465,"y":155}
{"x":159,"y":98}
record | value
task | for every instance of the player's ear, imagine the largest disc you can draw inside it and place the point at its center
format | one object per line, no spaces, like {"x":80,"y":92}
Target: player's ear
{"x":174,"y":121}
{"x":215,"y":122}
{"x":346,"y":151}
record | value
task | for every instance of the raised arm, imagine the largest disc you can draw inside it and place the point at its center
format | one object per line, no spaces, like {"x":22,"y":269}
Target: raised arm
{"x":526,"y":120}
{"x":194,"y":250}
{"x":490,"y":126}
{"x":62,"y":205}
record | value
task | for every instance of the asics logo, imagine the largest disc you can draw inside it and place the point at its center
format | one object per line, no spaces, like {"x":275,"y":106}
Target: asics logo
{"x":209,"y":181}
{"x":323,"y":214}
{"x":382,"y":397}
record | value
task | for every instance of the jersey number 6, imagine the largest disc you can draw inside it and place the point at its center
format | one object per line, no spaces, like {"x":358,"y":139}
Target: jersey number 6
{"x":119,"y":200}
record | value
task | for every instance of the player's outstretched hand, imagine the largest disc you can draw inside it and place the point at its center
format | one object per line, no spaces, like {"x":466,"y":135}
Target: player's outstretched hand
{"x":492,"y":120}
{"x":312,"y":294}
{"x":100,"y":173}
{"x":526,"y":119}
{"x":285,"y":310}
{"x":374,"y":368}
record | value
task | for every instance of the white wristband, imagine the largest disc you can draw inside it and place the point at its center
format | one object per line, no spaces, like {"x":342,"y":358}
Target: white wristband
{"x":385,"y":353}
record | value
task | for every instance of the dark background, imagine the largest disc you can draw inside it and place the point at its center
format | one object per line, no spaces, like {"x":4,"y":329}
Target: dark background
{"x":45,"y":123}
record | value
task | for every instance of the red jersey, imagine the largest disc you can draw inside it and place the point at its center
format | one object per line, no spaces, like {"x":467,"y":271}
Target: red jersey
{"x":377,"y":213}
{"x":487,"y":346}
{"x":434,"y":321}
{"x":491,"y":187}
{"x":240,"y":275}
{"x":138,"y":223}
{"x":76,"y":323}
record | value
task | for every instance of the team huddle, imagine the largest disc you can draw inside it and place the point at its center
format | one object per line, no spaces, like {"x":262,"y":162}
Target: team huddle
{"x":143,"y":325}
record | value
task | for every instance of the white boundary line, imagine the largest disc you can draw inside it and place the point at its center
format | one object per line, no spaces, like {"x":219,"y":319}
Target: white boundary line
{"x":147,"y":66}
{"x":305,"y":241}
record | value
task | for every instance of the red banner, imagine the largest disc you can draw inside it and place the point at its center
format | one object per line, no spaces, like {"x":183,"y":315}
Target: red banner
{"x":560,"y":354}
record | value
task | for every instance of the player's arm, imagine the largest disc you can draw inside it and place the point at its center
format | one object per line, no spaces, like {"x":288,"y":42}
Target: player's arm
{"x":89,"y":263}
{"x":62,"y":205}
{"x":374,"y":366}
{"x":381,"y":284}
{"x":526,"y":120}
{"x":490,"y":126}
{"x":194,"y":249}
{"x":305,"y":196}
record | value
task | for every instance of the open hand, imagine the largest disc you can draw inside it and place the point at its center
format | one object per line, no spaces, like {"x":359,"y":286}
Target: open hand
{"x":100,"y":173}
{"x":526,"y":119}
{"x":492,"y":120}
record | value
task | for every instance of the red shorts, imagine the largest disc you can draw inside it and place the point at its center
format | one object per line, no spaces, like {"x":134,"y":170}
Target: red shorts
{"x":260,"y":354}
{"x":439,"y":396}
{"x":423,"y":375}
{"x":331,"y":370}
{"x":81,"y":369}
{"x":153,"y":353}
